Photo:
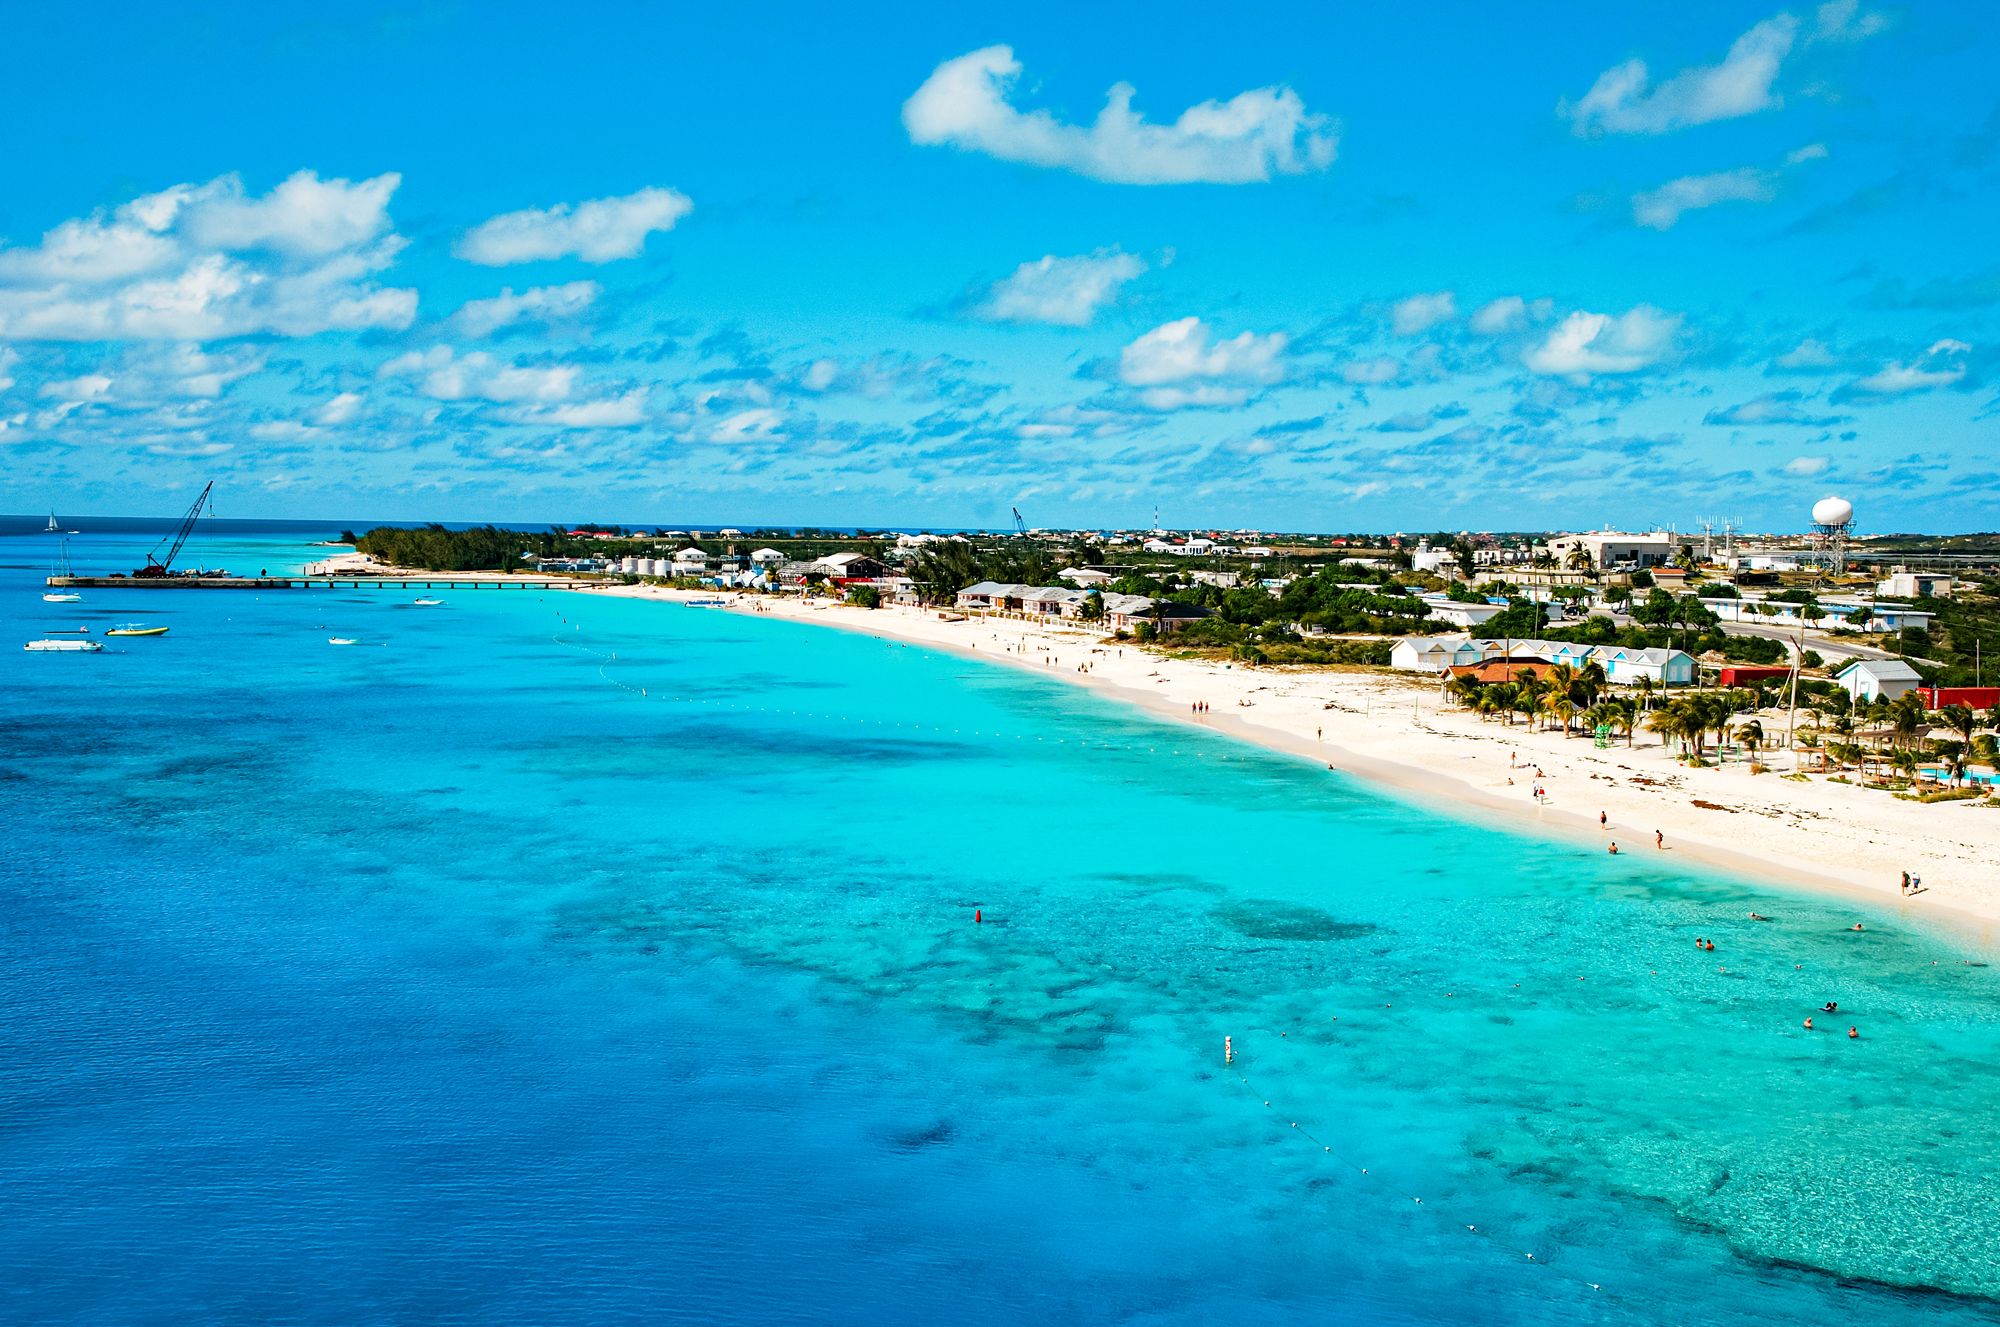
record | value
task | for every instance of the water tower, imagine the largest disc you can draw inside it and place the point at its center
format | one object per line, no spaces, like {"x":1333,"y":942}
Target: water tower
{"x":1832,"y":522}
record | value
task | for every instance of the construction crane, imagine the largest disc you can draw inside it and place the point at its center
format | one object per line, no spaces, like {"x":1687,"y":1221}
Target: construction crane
{"x":157,"y":566}
{"x":1020,"y":526}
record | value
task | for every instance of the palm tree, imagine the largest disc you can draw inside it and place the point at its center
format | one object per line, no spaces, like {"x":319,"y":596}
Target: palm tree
{"x":1961,"y":719}
{"x":1669,"y":723}
{"x":1622,"y":717}
{"x":1906,"y":716}
{"x":1559,"y":707}
{"x":1751,"y":735}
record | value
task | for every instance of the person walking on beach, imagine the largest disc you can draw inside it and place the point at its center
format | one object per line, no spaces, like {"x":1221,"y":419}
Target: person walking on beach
{"x":1906,"y":882}
{"x":1602,"y":820}
{"x":1659,"y":839}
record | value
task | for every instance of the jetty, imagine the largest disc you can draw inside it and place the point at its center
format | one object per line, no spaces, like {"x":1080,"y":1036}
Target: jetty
{"x":419,"y":582}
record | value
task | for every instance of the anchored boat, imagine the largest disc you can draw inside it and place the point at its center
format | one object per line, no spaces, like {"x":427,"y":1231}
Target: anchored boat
{"x":61,"y":568}
{"x":62,"y":646}
{"x":135,"y":629}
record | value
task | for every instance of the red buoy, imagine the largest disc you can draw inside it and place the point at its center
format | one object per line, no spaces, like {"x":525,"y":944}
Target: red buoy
{"x":976,"y":918}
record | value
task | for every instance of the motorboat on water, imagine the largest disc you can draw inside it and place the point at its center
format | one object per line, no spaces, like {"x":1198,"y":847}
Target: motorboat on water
{"x":65,"y":631}
{"x":62,"y":646}
{"x":61,"y":597}
{"x":136,"y":629}
{"x":427,"y":603}
{"x":342,"y":640}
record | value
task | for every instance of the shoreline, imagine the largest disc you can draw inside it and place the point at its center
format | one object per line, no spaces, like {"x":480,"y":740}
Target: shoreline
{"x":1822,"y":839}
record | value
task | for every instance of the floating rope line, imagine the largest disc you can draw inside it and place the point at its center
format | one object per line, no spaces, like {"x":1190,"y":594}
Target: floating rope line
{"x":1371,"y":1176}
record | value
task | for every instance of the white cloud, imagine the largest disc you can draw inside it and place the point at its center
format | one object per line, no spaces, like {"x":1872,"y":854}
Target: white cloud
{"x":305,"y":217}
{"x":539,"y":304}
{"x":338,"y":410}
{"x":1805,"y":467}
{"x":1419,"y":313}
{"x":1180,"y":364}
{"x":8,"y":359}
{"x":611,"y":412}
{"x":1247,"y":139}
{"x":1661,"y":208}
{"x":754,"y":425}
{"x":1586,"y":344}
{"x":1844,"y":21}
{"x":1940,"y":366}
{"x":1372,"y":372}
{"x":444,"y":375}
{"x":1067,"y":292}
{"x":1509,"y":313}
{"x":598,"y":231}
{"x":1808,"y":354}
{"x":202,"y":262}
{"x":1624,"y":100}
{"x":88,"y":387}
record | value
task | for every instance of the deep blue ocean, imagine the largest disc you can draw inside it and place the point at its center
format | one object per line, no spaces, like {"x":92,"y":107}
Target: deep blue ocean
{"x":544,"y":958}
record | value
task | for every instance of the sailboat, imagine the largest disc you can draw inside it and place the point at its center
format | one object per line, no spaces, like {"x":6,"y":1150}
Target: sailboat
{"x":52,"y":527}
{"x":62,"y":569}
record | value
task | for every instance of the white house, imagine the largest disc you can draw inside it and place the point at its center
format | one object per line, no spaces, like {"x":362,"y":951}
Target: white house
{"x":1085,"y":576}
{"x":1905,"y":584}
{"x":1877,"y":679}
{"x":1434,"y":654}
{"x":1612,"y":549}
{"x":767,"y":557}
{"x":1672,"y":668}
{"x":1462,"y":615}
{"x":1432,"y":561}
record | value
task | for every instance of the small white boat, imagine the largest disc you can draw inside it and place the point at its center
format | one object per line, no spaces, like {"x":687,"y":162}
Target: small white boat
{"x":52,"y":526}
{"x":427,"y":603}
{"x":61,"y":568}
{"x":62,"y":646}
{"x":342,"y":640}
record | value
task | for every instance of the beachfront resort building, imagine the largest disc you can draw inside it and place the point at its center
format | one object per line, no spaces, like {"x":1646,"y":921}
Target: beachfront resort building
{"x":1621,"y":664}
{"x":1122,"y":612}
{"x":1878,"y":679}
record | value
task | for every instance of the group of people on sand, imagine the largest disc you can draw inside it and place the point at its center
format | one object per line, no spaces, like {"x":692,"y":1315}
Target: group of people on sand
{"x":1912,"y":884}
{"x":1198,"y":707}
{"x":1604,"y":822}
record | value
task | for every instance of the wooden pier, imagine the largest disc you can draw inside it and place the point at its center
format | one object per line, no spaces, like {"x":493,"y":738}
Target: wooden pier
{"x":445,"y":582}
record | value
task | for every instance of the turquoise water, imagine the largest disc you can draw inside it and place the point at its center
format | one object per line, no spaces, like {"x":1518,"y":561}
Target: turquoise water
{"x":448,"y":978}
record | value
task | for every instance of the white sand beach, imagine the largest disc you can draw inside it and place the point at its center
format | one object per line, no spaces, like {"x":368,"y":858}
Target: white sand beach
{"x":1398,"y":730}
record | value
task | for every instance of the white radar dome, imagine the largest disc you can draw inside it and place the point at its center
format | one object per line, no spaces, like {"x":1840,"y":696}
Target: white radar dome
{"x":1832,"y":511}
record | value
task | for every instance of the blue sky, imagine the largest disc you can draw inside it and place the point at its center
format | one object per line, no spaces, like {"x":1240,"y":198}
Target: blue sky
{"x":1321,"y":267}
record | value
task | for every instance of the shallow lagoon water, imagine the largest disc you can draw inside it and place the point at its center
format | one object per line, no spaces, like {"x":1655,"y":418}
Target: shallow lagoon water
{"x":447,"y":977}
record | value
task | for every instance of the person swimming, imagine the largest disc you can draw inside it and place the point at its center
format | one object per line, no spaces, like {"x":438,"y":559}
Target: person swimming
{"x":1758,"y":917}
{"x":1613,"y":850}
{"x":1830,"y":1007}
{"x":1808,"y":1023}
{"x":1853,"y":1035}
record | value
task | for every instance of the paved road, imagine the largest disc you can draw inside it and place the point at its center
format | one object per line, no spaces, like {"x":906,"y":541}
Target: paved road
{"x":1828,"y":647}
